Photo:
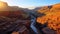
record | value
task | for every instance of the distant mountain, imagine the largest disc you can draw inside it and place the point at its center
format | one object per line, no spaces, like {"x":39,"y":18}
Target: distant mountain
{"x":48,"y":8}
{"x":5,"y":7}
{"x":43,"y":9}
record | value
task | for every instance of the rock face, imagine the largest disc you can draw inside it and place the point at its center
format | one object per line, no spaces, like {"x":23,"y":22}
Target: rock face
{"x":44,"y":9}
{"x":51,"y":17}
{"x":13,"y":25}
{"x":3,"y":6}
{"x":55,"y":7}
{"x":13,"y":11}
{"x":47,"y":30}
{"x":13,"y":20}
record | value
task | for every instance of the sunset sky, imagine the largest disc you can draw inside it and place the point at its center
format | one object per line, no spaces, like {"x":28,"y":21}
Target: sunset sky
{"x":30,"y":3}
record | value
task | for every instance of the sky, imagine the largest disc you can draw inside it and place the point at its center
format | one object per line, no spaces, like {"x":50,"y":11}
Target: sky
{"x":30,"y":3}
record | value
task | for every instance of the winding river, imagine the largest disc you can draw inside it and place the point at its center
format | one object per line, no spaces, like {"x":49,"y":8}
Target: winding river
{"x":33,"y":21}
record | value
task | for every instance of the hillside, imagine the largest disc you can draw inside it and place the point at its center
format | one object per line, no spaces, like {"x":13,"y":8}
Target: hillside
{"x":51,"y":17}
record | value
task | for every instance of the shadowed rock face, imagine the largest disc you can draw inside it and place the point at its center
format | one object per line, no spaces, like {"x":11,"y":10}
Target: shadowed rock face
{"x":13,"y":19}
{"x":13,"y":25}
